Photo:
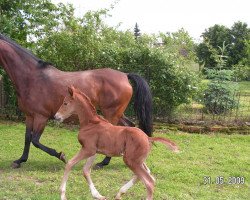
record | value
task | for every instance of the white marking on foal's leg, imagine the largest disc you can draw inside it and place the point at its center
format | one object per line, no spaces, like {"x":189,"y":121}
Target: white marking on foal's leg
{"x":125,"y":187}
{"x":63,"y":187}
{"x":86,"y":172}
{"x":79,"y":156}
{"x":148,"y":170}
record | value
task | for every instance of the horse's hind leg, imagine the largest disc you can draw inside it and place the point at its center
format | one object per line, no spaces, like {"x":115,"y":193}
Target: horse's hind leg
{"x":38,"y":127}
{"x":78,"y":157}
{"x":86,"y":173}
{"x":124,"y":121}
{"x":126,"y":187}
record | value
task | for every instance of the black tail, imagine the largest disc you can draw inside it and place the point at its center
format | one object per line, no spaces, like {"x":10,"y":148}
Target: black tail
{"x":142,"y":103}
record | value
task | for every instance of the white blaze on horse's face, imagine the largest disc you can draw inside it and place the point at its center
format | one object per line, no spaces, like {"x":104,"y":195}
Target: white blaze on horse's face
{"x":66,"y":110}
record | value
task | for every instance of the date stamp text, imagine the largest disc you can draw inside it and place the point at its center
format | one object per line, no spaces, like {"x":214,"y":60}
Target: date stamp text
{"x":220,"y":180}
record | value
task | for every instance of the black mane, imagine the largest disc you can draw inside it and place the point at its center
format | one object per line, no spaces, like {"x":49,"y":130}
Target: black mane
{"x":43,"y":64}
{"x":14,"y":44}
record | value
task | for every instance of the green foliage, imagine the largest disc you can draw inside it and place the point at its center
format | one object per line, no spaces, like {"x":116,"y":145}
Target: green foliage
{"x":91,"y":44}
{"x":219,"y":97}
{"x":26,"y":21}
{"x":240,"y":33}
{"x":180,"y":45}
{"x":86,"y":42}
{"x":241,"y":72}
{"x":235,"y":38}
{"x":223,"y":74}
{"x":213,"y":38}
{"x":136,"y":31}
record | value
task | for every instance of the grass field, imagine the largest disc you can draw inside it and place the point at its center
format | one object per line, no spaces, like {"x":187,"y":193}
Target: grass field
{"x":178,"y":176}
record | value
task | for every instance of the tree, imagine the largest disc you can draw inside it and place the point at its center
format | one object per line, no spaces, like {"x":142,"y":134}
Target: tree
{"x":240,"y":33}
{"x":180,"y":45}
{"x":219,"y":94}
{"x":136,"y":31}
{"x":26,"y":21}
{"x":87,"y":42}
{"x":214,"y":37}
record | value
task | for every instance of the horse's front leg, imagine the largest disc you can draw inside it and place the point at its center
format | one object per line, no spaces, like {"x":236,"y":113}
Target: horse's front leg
{"x":28,"y":135}
{"x":38,"y":128}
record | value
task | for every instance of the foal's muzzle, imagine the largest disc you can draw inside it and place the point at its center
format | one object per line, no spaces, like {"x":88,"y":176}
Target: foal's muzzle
{"x":58,"y":117}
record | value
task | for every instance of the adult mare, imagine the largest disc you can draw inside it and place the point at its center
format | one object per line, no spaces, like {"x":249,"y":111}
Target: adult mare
{"x":40,"y":90}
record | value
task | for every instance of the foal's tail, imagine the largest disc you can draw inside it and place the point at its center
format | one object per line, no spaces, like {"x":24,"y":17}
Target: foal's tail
{"x":171,"y":145}
{"x":142,"y":103}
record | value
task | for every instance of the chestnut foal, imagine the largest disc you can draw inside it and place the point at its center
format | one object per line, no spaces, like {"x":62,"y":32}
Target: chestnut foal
{"x":97,"y":135}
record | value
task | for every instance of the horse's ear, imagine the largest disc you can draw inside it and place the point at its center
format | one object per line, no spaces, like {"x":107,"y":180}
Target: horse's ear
{"x":70,"y":90}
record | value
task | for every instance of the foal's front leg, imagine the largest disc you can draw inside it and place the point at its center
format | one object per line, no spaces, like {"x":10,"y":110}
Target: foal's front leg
{"x":78,"y":157}
{"x":86,"y":173}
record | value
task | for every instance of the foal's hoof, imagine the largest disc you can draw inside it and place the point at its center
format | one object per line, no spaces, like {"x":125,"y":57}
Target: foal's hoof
{"x":102,"y":198}
{"x":15,"y":165}
{"x":63,"y":157}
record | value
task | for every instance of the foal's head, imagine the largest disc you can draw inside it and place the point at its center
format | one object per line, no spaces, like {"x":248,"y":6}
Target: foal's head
{"x":69,"y":105}
{"x":74,"y":103}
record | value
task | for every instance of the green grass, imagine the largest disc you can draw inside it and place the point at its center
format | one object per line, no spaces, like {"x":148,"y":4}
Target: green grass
{"x":244,"y":86}
{"x":178,"y":176}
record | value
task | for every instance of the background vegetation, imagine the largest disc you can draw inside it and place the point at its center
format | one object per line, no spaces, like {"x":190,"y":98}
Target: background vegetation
{"x":166,"y":60}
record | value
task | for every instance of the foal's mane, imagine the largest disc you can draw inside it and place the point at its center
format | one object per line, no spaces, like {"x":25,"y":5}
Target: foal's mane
{"x":40,"y":62}
{"x":84,"y":97}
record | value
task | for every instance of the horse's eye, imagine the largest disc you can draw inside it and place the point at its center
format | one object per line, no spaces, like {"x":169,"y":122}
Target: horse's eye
{"x":65,"y":103}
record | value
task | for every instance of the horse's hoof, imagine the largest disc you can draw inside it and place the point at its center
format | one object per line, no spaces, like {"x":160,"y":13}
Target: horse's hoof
{"x":15,"y":165}
{"x":98,"y":166}
{"x":63,"y":157}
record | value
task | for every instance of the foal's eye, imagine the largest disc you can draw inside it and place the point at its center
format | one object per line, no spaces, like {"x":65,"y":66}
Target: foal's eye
{"x":65,"y":103}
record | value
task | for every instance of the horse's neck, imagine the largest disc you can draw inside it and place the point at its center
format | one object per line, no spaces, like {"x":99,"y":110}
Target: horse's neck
{"x":17,"y":67}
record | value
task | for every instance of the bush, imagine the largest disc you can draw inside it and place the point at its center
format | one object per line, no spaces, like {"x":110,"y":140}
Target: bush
{"x":219,"y":97}
{"x":223,"y":74}
{"x":241,"y":72}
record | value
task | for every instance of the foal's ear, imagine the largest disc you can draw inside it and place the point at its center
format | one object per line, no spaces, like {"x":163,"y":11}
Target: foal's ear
{"x":70,"y":90}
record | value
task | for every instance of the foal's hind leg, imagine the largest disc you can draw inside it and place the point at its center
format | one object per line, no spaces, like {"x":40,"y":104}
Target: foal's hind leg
{"x":148,"y":170}
{"x":78,"y":157}
{"x":144,"y":175}
{"x":86,"y":173}
{"x":125,"y":187}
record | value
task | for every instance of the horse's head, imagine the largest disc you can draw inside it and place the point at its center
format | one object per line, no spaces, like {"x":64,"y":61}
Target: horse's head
{"x":68,"y":107}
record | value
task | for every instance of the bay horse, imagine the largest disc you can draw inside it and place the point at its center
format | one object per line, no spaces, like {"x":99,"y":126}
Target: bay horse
{"x":41,"y":88}
{"x":97,"y":135}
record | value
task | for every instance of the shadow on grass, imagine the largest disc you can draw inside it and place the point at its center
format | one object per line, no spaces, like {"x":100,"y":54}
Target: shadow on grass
{"x":34,"y":165}
{"x":54,"y":166}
